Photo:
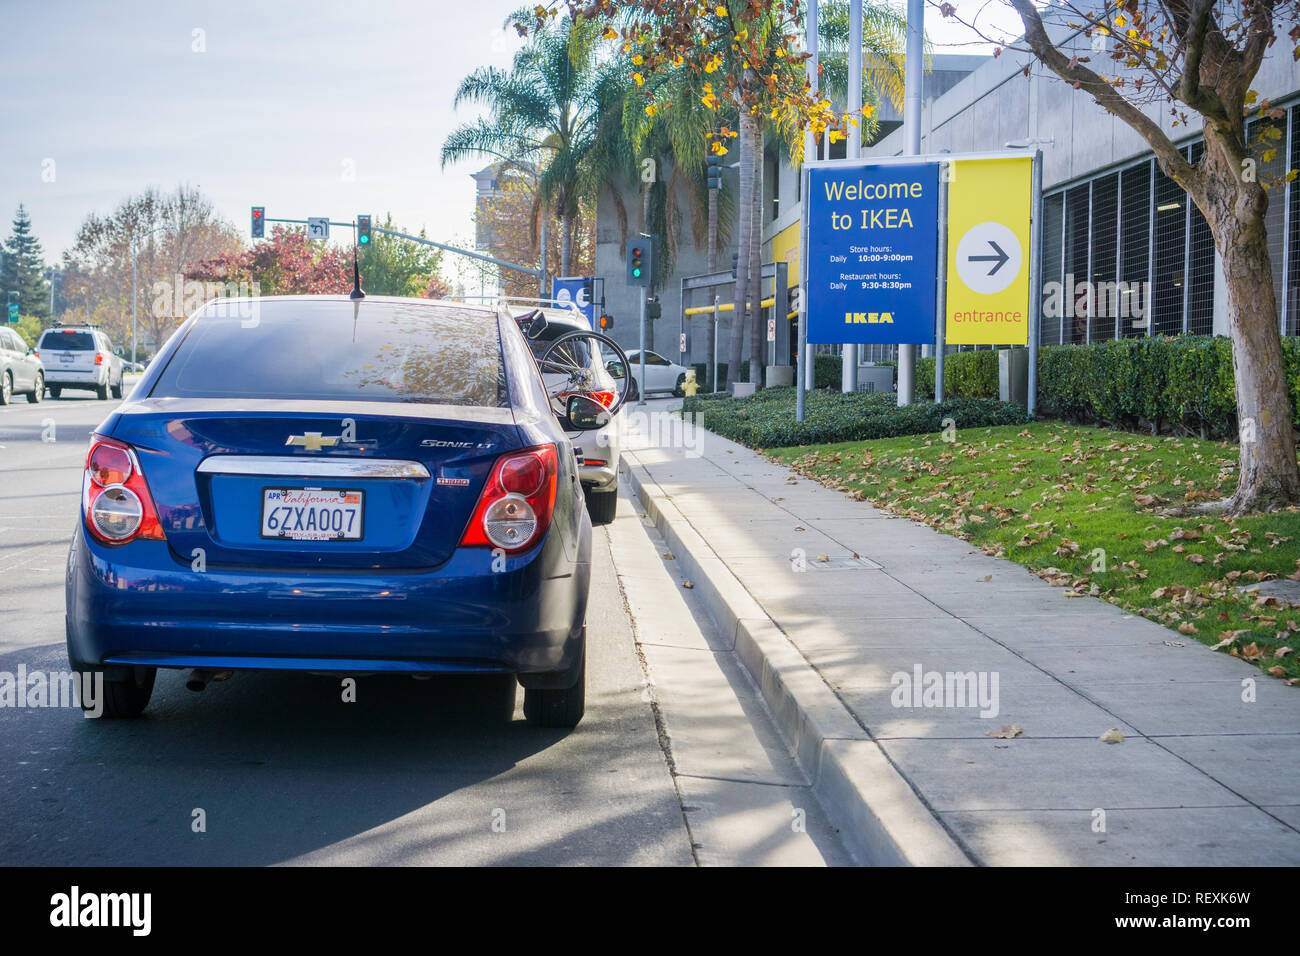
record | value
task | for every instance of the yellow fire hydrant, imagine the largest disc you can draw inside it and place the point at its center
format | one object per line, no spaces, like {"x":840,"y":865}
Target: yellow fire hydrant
{"x":689,"y":385}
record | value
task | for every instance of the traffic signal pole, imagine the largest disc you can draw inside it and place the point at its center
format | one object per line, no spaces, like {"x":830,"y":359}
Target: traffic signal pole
{"x":539,"y":273}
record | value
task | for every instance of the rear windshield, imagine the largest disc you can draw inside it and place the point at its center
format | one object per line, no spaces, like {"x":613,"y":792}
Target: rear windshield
{"x":68,"y":341}
{"x":330,"y":350}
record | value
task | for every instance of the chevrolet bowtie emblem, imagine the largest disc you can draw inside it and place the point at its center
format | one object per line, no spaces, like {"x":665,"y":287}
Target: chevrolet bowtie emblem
{"x":313,"y":441}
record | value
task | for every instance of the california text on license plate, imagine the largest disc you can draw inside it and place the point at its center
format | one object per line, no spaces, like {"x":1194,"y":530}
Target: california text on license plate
{"x":312,"y":514}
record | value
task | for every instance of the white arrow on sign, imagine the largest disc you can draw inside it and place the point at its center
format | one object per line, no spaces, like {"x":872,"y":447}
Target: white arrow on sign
{"x":318,"y":227}
{"x":988,"y":258}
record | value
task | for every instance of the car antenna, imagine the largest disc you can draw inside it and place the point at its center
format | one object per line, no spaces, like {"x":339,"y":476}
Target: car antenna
{"x":357,"y":293}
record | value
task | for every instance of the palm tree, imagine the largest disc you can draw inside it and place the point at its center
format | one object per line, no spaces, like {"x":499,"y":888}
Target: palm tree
{"x":544,"y":115}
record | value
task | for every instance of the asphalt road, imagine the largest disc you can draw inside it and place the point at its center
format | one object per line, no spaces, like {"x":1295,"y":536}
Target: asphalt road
{"x":279,"y":770}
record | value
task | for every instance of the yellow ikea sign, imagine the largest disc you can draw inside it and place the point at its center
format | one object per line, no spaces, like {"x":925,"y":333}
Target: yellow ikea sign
{"x":868,"y":318}
{"x":988,"y":251}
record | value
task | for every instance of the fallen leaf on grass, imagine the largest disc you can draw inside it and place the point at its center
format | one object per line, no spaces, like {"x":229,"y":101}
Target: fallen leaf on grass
{"x":1282,"y":652}
{"x":1007,"y":732}
{"x":1187,"y":627}
{"x":1112,"y":736}
{"x":1277,"y":670}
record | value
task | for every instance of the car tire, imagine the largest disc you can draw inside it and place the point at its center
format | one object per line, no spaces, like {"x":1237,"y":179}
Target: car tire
{"x":117,"y":389}
{"x":602,"y":506}
{"x":38,"y":392}
{"x":679,"y":390}
{"x":6,"y":389}
{"x":101,"y":391}
{"x":559,"y":708}
{"x":129,"y":696}
{"x":55,"y":391}
{"x":633,"y":392}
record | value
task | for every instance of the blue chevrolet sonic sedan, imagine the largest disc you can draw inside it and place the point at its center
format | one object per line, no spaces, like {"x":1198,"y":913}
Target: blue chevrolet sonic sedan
{"x":324,"y":484}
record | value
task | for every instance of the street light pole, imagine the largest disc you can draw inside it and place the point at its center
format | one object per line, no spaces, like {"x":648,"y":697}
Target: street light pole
{"x":912,"y":147}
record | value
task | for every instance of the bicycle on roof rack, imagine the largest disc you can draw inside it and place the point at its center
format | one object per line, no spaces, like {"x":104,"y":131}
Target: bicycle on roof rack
{"x":581,"y":362}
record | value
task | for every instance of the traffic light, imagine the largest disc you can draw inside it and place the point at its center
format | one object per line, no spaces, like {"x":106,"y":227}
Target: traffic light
{"x":653,"y":308}
{"x":714,"y":171}
{"x":640,"y":260}
{"x":735,"y":261}
{"x":259,"y":222}
{"x":606,"y":322}
{"x":363,"y":230}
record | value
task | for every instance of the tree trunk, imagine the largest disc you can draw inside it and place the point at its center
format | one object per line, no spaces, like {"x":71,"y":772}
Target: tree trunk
{"x":757,"y":327}
{"x":713,"y":267}
{"x":745,"y":229}
{"x":566,"y":241}
{"x":1235,"y":212}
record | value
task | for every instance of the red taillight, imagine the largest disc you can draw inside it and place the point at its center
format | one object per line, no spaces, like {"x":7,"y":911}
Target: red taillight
{"x":99,"y":358}
{"x":605,"y":398}
{"x":116,"y":504}
{"x":515,"y":507}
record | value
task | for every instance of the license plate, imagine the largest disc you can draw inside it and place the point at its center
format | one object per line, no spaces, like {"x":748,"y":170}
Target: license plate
{"x":66,"y":358}
{"x":312,"y":514}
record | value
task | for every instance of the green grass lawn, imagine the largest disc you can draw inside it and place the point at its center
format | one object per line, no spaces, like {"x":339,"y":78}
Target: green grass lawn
{"x":1085,"y":508}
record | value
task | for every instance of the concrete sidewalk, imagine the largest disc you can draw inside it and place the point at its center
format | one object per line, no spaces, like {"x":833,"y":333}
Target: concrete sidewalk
{"x":836,"y":608}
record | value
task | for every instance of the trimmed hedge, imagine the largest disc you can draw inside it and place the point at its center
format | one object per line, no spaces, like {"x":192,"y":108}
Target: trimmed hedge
{"x":965,"y":375}
{"x":766,"y":419}
{"x":1153,"y":384}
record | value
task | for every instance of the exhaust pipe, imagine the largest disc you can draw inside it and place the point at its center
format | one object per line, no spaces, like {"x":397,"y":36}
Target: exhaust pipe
{"x":201,"y":677}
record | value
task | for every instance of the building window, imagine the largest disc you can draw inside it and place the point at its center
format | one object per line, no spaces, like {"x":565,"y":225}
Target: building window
{"x":1200,"y":264}
{"x":1077,"y":226}
{"x":1053,"y":225}
{"x":1135,"y":249}
{"x":1105,"y":256}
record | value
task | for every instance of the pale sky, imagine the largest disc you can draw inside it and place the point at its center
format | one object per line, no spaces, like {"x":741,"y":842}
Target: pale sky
{"x":281,"y":104}
{"x":282,"y":97}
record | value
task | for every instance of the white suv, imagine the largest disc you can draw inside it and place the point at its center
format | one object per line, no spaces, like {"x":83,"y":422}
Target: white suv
{"x":80,"y":356}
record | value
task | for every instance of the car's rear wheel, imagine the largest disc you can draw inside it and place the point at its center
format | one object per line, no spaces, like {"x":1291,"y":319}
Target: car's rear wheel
{"x":679,"y":390}
{"x":127,"y":697}
{"x":101,"y":391}
{"x":37,"y":393}
{"x":602,"y":505}
{"x":54,"y":391}
{"x":117,"y":389}
{"x":559,"y":708}
{"x":6,"y":389}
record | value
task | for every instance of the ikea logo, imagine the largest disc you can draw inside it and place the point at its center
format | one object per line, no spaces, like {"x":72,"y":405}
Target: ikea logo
{"x":868,"y":318}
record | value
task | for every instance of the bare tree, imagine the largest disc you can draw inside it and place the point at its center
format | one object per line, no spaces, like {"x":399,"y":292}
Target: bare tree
{"x":1199,"y":59}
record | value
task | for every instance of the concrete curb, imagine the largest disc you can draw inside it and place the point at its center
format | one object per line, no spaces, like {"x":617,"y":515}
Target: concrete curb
{"x":876,"y":810}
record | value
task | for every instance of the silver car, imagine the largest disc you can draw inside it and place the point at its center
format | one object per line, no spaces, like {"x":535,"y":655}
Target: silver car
{"x":80,"y":356}
{"x":597,"y":450}
{"x":21,"y":371}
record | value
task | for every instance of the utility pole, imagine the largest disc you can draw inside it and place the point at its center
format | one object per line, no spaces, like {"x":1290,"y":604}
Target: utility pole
{"x":804,"y":372}
{"x":912,"y":147}
{"x":849,"y":351}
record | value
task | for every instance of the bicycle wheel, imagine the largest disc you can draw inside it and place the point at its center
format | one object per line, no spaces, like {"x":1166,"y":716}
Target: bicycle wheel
{"x":586,"y":363}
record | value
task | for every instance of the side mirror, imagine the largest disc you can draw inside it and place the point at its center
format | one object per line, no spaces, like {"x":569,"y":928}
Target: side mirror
{"x":585,"y":414}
